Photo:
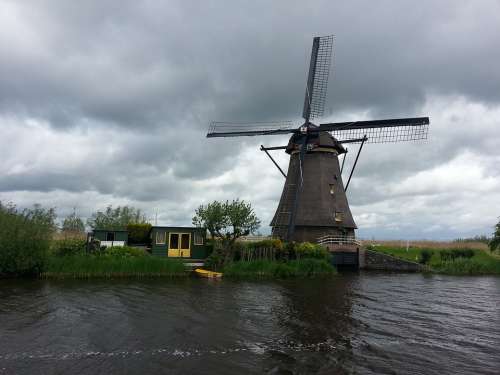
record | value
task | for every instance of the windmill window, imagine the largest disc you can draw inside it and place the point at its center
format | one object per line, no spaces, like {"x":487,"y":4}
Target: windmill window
{"x":198,"y":238}
{"x":160,"y":238}
{"x":339,"y":216}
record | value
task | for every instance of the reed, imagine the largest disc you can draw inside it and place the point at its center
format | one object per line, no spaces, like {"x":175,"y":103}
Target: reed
{"x":303,"y":268}
{"x":463,"y":244}
{"x":90,"y":266}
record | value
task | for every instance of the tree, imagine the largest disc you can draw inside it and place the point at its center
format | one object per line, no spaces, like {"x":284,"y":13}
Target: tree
{"x":138,"y":233}
{"x":227,"y":221}
{"x":116,"y":218}
{"x":73,"y":224}
{"x":495,"y":240}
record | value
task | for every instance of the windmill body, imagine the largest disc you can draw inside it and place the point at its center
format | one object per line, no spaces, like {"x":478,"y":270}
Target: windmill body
{"x":313,"y":203}
{"x":322,"y":208}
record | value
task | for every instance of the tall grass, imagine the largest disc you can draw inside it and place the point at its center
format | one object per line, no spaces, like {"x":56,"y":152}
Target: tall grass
{"x":25,"y":237}
{"x":455,"y":261}
{"x":433,"y":245}
{"x":87,"y":266}
{"x":275,"y":269}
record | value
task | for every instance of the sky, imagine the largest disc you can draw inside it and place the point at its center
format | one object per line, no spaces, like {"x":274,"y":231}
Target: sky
{"x":108,"y":103}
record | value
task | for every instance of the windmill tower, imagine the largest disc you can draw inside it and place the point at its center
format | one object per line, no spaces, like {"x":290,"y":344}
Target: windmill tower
{"x":313,"y":202}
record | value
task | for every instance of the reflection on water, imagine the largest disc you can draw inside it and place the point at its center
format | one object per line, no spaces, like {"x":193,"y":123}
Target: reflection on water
{"x":354,"y":323}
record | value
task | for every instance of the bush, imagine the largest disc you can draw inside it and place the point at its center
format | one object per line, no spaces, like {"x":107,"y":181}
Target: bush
{"x":124,"y":252}
{"x":214,"y":261}
{"x":425,"y":256}
{"x":24,"y":239}
{"x":68,"y":246}
{"x":311,"y":250}
{"x":447,"y":255}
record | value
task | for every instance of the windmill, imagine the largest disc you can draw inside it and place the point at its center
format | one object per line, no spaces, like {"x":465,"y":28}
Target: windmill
{"x":313,"y":202}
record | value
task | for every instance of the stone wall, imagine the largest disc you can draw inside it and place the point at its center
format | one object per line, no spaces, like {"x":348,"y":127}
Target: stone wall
{"x":373,"y":260}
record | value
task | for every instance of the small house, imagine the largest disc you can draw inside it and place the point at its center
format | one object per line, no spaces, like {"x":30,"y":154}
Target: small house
{"x":110,"y":237}
{"x":179,"y":242}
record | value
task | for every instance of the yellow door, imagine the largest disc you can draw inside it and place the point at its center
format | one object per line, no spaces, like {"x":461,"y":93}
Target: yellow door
{"x":173,"y":245}
{"x":185,"y":248}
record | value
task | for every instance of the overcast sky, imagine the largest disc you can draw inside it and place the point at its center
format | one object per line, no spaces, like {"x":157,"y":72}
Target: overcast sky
{"x":108,"y":102}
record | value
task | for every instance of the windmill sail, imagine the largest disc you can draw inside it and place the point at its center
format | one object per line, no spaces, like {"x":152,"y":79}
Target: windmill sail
{"x":380,"y":131}
{"x":241,"y":129}
{"x":317,"y":80}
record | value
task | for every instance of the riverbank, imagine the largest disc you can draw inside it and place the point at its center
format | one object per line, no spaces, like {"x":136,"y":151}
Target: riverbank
{"x":451,"y":261}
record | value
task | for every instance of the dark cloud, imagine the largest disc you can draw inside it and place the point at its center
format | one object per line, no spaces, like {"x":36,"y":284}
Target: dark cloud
{"x":131,"y":87}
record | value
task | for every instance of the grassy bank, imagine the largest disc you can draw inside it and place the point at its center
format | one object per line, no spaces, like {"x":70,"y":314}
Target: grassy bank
{"x":448,"y":260}
{"x":89,"y":266}
{"x":277,"y":269}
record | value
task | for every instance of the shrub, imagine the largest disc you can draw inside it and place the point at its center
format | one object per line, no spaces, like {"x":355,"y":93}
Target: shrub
{"x":425,"y":256}
{"x":214,"y":261}
{"x":24,"y":239}
{"x":124,"y":252}
{"x":447,"y":255}
{"x":311,"y":250}
{"x":69,"y":246}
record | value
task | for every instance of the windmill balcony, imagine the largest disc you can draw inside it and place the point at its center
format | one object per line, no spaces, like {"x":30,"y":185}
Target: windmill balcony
{"x":340,"y":243}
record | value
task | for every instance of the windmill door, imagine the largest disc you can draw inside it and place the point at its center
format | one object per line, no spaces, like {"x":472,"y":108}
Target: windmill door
{"x":179,"y":245}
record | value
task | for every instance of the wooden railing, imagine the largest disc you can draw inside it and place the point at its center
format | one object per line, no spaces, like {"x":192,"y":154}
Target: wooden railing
{"x":338,"y":240}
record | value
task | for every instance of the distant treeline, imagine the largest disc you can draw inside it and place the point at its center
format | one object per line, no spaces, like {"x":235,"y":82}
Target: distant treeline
{"x":482,"y":238}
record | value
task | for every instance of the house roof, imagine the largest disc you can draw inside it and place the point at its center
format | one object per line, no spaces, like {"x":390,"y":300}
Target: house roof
{"x":109,"y":230}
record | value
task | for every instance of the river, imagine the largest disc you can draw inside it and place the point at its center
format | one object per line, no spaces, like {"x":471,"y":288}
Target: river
{"x":366,"y":323}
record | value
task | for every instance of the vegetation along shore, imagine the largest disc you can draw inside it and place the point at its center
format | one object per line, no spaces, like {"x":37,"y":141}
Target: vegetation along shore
{"x":453,"y":258}
{"x":31,"y":245}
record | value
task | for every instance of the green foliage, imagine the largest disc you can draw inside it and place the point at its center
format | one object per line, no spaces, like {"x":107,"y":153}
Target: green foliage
{"x":88,"y":266}
{"x":310,"y":250}
{"x":214,"y":261}
{"x":494,"y":243}
{"x":138,"y":233}
{"x":69,"y":246}
{"x":227,"y":221}
{"x":116,"y":218}
{"x":124,"y":252}
{"x":425,"y":256}
{"x":449,"y":261}
{"x":274,"y":249}
{"x":73,"y":224}
{"x":25,"y":237}
{"x":477,"y":265}
{"x":447,"y":255}
{"x":276,"y":269}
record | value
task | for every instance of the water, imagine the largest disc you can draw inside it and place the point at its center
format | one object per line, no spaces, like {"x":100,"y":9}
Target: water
{"x":354,"y":323}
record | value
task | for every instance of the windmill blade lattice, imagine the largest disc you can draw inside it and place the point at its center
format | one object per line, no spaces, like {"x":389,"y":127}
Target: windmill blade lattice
{"x":380,"y":131}
{"x":317,"y":81}
{"x":241,"y":129}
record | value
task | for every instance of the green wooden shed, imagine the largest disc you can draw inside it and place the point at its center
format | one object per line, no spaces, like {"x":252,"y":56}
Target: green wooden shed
{"x":111,"y":237}
{"x":179,"y":242}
